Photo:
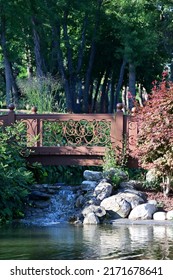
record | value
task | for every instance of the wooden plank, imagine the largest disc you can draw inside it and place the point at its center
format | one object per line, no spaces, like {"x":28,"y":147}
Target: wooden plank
{"x":66,"y":117}
{"x":67,"y":150}
{"x":80,"y":160}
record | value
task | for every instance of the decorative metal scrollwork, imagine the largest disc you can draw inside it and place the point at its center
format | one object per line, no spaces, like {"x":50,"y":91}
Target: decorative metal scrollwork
{"x":76,"y":133}
{"x":30,"y":134}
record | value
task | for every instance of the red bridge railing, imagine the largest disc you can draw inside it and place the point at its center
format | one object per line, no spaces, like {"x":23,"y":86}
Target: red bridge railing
{"x":75,"y":139}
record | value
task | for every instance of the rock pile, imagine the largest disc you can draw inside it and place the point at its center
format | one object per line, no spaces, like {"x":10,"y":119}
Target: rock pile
{"x":102,"y":201}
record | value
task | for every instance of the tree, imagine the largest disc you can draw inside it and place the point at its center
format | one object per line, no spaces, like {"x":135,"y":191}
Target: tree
{"x":155,"y":136}
{"x":93,"y":47}
{"x":12,"y":91}
{"x":138,"y":27}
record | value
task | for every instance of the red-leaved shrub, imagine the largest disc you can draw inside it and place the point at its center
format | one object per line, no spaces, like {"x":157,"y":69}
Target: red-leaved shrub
{"x":155,"y":135}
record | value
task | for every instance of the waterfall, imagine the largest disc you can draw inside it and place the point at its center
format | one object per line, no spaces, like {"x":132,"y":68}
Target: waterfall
{"x":51,"y":205}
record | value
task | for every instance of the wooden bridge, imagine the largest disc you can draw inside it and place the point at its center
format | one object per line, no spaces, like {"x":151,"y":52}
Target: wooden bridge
{"x":74,"y":139}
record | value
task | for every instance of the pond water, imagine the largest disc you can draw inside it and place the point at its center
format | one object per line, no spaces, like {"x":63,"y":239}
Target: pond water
{"x":66,"y":241}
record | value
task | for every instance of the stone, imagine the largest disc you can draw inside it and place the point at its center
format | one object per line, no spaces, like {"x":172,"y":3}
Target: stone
{"x":133,"y":191}
{"x":132,"y":184}
{"x":78,"y":222}
{"x":89,"y":185}
{"x":169,"y":215}
{"x":99,"y":211}
{"x":103,"y":190}
{"x":92,"y":201}
{"x":159,"y":216}
{"x":79,"y":201}
{"x":92,"y":175}
{"x":133,"y":198}
{"x":143,"y":212}
{"x":123,"y":176}
{"x":116,"y":206}
{"x":153,"y":201}
{"x":91,"y":219}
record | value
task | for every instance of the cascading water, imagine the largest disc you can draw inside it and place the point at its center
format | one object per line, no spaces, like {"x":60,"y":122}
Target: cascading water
{"x":59,"y":208}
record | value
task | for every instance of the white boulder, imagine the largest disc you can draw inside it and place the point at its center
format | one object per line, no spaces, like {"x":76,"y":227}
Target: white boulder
{"x":143,"y":212}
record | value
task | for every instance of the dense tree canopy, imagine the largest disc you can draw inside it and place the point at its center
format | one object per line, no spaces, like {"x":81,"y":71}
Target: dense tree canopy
{"x":92,"y":48}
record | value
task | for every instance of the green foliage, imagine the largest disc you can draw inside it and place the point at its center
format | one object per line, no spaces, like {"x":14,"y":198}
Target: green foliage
{"x":109,"y":160}
{"x":14,"y":174}
{"x":137,"y":173}
{"x":2,"y":91}
{"x":39,"y":172}
{"x":42,"y":93}
{"x":154,"y":185}
{"x":112,"y":167}
{"x":59,"y":37}
{"x":72,"y":175}
{"x":53,"y":133}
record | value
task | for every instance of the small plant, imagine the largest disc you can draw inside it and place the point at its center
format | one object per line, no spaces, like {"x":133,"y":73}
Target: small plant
{"x":112,"y":170}
{"x":109,"y":160}
{"x":115,"y":157}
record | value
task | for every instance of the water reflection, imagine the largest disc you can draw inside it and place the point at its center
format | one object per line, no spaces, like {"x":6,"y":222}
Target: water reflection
{"x":64,"y":241}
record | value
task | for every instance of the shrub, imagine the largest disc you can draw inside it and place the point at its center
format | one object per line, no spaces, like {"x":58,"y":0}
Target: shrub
{"x":14,"y":175}
{"x":113,"y":165}
{"x":155,"y":136}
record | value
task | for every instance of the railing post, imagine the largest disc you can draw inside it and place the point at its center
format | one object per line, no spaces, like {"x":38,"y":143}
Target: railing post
{"x":119,"y":127}
{"x":34,"y":110}
{"x":11,"y":115}
{"x":33,"y":129}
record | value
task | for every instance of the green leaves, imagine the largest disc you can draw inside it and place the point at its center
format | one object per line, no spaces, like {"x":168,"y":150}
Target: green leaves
{"x":15,"y":177}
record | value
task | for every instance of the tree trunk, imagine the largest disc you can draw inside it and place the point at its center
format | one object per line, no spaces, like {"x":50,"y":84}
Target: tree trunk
{"x":166,"y":184}
{"x":71,"y":72}
{"x":132,"y":85}
{"x":56,"y":33}
{"x":53,"y":60}
{"x":104,"y":96}
{"x":112,"y":93}
{"x":79,"y":92}
{"x":171,"y":76}
{"x":140,"y":99}
{"x":12,"y":92}
{"x":96,"y":93}
{"x":90,"y":97}
{"x":37,"y":50}
{"x":120,"y":82}
{"x":82,"y":45}
{"x":88,"y":77}
{"x":91,"y":59}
